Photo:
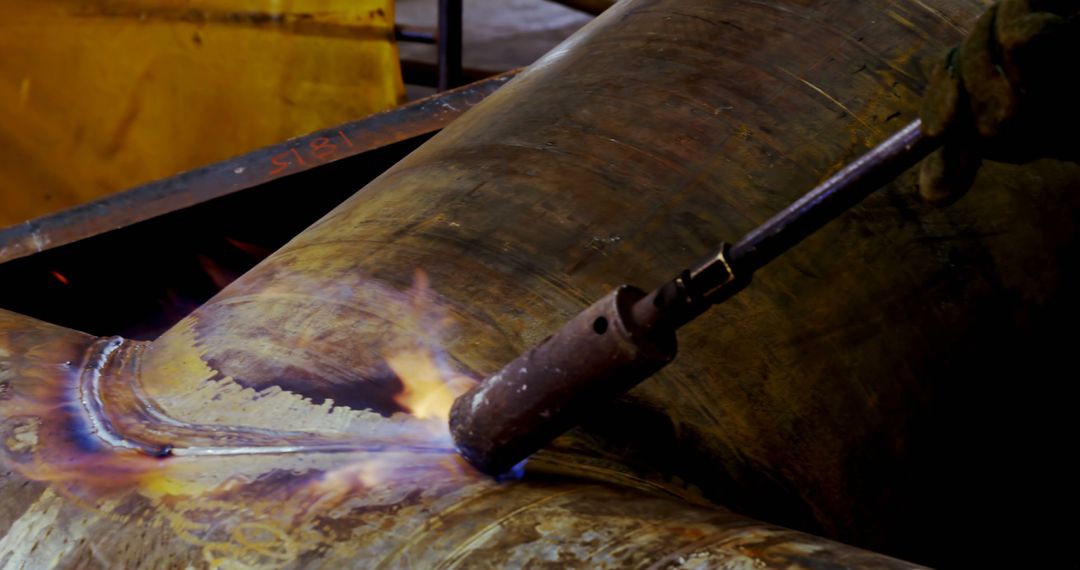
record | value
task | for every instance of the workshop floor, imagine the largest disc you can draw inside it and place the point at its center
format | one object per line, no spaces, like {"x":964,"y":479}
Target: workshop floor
{"x":499,"y":34}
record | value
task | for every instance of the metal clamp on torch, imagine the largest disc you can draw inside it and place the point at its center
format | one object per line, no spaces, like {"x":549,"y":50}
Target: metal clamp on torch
{"x":628,"y":335}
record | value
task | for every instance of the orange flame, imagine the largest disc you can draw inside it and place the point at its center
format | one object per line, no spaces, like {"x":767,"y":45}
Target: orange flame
{"x":428,"y":392}
{"x":255,"y":251}
{"x":430,"y":385}
{"x":218,"y":275}
{"x":46,"y":432}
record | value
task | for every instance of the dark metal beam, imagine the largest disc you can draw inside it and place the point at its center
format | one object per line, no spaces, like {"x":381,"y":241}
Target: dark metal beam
{"x":450,"y":25}
{"x":246,"y":171}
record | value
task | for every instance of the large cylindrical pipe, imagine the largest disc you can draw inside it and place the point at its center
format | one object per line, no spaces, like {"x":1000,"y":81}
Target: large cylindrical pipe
{"x":661,"y":128}
{"x":834,"y":393}
{"x":270,"y":481}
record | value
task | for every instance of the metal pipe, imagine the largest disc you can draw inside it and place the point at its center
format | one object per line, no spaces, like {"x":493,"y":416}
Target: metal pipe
{"x":261,"y":166}
{"x":831,"y":198}
{"x":590,"y":169}
{"x":278,"y":489}
{"x":627,"y":336}
{"x":449,"y":44}
{"x":600,"y":354}
{"x":593,"y":169}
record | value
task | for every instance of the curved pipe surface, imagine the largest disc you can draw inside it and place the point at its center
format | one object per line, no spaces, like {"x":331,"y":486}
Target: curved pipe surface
{"x":835,"y":393}
{"x":661,"y":128}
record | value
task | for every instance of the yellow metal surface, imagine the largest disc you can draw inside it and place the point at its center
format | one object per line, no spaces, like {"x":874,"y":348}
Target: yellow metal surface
{"x":97,"y":96}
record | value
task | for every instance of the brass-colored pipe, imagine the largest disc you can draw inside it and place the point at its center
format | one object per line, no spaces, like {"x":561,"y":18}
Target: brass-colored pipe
{"x":659,"y":129}
{"x":271,"y":480}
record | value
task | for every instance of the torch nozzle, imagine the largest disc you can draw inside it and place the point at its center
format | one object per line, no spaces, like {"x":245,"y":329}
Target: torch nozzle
{"x":598,"y":355}
{"x":607,"y":349}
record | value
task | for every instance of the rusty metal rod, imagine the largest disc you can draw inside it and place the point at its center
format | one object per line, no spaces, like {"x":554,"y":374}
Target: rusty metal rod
{"x":628,"y":336}
{"x":832,"y":197}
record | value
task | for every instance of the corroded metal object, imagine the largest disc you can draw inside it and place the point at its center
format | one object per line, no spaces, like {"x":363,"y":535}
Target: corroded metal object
{"x":659,"y":129}
{"x":627,"y":336}
{"x":600,"y":354}
{"x":107,"y":471}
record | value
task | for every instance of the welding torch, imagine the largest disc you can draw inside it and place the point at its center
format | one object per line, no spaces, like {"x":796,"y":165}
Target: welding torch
{"x":629,"y":335}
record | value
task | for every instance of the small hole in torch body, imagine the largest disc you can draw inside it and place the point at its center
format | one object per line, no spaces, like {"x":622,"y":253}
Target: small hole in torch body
{"x":600,"y":325}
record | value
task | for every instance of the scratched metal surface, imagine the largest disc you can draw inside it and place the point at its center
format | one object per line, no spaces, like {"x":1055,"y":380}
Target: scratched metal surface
{"x":629,"y":150}
{"x":277,"y":481}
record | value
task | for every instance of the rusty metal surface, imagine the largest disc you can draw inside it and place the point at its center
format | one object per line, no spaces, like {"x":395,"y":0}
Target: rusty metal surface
{"x":815,"y":397}
{"x":275,"y":481}
{"x":296,"y":155}
{"x":610,"y":347}
{"x":600,"y":354}
{"x":823,"y":396}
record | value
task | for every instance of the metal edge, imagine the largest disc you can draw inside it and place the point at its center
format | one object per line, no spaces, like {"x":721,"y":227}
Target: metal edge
{"x":245,"y":171}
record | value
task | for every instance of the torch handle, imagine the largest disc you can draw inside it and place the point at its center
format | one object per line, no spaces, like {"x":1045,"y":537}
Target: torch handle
{"x":729,"y":268}
{"x":832,"y":197}
{"x":628,"y":336}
